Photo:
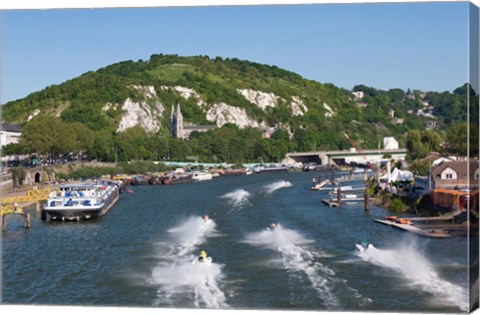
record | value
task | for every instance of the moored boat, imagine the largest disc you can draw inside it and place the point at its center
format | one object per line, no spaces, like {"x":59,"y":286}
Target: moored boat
{"x":83,"y":201}
{"x":201,"y":176}
{"x":321,"y":185}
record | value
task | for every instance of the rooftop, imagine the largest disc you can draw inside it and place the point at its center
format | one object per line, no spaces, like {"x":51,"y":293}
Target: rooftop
{"x":10,"y":128}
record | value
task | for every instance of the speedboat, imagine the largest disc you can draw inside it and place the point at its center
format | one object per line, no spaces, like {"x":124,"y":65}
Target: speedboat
{"x":202,"y":259}
{"x":363,"y":246}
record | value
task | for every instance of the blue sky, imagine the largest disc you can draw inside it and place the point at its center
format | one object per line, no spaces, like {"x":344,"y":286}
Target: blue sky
{"x":406,"y":45}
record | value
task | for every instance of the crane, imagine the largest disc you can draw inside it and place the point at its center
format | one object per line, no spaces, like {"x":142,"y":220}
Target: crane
{"x":357,"y":148}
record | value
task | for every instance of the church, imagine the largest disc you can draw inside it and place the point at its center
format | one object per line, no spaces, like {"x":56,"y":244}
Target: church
{"x":178,"y":129}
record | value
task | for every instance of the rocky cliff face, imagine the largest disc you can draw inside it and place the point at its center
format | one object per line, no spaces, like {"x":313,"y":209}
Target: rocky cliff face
{"x":147,"y":114}
{"x":264,"y":100}
{"x":222,"y":114}
{"x":261,"y":99}
{"x":142,"y":114}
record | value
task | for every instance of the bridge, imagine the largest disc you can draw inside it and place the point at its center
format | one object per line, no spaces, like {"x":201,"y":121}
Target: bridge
{"x":345,"y":157}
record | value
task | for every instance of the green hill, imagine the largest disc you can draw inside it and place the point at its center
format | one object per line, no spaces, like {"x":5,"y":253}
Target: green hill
{"x":130,"y":100}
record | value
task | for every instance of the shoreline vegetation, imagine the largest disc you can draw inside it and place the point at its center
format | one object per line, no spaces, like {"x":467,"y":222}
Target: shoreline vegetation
{"x":401,"y":202}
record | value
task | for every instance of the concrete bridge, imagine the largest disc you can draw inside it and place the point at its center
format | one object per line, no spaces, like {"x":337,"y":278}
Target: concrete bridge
{"x":345,"y":157}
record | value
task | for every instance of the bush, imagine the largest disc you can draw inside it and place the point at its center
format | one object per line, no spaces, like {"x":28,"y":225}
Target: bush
{"x":396,"y":205}
{"x":18,"y":175}
{"x":90,"y":172}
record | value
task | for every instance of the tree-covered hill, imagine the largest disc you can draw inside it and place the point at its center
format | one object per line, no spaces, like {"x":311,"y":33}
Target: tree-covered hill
{"x":129,"y":103}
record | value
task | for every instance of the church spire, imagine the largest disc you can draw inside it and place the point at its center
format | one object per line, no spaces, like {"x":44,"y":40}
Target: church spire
{"x":172,"y":113}
{"x":179,"y":123}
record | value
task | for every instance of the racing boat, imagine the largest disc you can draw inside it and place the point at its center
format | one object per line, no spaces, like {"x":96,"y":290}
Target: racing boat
{"x":363,"y":246}
{"x":202,"y":259}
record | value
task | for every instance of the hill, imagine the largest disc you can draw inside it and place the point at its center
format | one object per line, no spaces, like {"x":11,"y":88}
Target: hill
{"x":128,"y":101}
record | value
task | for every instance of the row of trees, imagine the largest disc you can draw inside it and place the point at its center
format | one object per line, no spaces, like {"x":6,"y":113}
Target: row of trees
{"x":52,"y":137}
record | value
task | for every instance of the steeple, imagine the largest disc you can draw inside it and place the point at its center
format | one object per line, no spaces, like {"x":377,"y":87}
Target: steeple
{"x":173,"y":122}
{"x":172,"y":114}
{"x":179,"y":123}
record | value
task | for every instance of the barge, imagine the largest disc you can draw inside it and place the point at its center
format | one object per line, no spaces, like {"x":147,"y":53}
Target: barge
{"x":75,"y":202}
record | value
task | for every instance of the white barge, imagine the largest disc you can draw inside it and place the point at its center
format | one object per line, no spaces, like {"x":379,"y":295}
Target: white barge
{"x":77,"y":202}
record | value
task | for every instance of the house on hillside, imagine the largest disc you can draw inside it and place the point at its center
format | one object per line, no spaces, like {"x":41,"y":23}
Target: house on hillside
{"x":9,"y":134}
{"x":455,"y":175}
{"x":358,"y":95}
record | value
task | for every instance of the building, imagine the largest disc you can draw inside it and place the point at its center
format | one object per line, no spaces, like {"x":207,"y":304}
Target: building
{"x":358,"y":95}
{"x":455,"y":175}
{"x":9,"y":134}
{"x":180,"y":129}
{"x":390,"y":143}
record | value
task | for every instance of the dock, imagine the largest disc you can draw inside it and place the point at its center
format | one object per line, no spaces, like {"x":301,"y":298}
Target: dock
{"x":332,"y":203}
{"x":431,"y":232}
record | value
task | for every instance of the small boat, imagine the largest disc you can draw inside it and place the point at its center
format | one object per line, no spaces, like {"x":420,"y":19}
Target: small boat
{"x":309,"y":167}
{"x":201,"y":176}
{"x":363,"y":246}
{"x":262,"y":168}
{"x":202,"y":259}
{"x":320,"y":185}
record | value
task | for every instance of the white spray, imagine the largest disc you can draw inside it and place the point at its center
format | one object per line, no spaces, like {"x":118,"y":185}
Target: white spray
{"x":420,"y":273}
{"x":190,"y":233}
{"x":270,"y":188}
{"x":237,"y":198}
{"x":298,"y":256}
{"x":179,"y":279}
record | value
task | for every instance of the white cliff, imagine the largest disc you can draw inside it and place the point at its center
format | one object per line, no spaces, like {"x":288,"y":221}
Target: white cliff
{"x":298,"y":106}
{"x":261,"y":99}
{"x":329,"y":112}
{"x":185,"y":92}
{"x":35,"y":113}
{"x":147,"y":91}
{"x":222,"y":114}
{"x":264,"y":100}
{"x":142,"y":114}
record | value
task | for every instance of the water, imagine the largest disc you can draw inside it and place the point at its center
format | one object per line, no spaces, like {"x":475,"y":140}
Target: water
{"x":141,"y":253}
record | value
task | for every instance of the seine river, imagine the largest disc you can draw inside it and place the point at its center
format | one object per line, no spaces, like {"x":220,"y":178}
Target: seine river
{"x":141,"y":253}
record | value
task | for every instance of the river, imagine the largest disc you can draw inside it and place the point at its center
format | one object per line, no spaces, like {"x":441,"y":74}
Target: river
{"x":140,"y":254}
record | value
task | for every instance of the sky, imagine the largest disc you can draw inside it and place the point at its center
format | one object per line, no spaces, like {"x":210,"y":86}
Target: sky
{"x":392,"y":45}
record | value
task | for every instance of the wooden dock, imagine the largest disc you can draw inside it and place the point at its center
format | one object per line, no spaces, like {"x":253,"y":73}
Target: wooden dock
{"x":431,"y":232}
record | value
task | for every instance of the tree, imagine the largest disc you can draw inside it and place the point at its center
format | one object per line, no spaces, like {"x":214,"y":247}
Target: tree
{"x":457,"y":139}
{"x":18,"y":175}
{"x":416,"y":149}
{"x":43,"y":135}
{"x":11,"y":149}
